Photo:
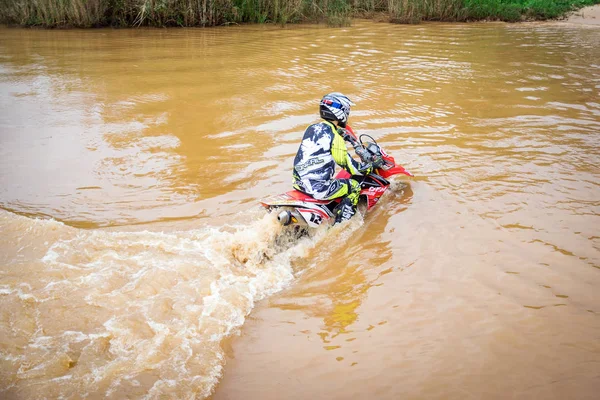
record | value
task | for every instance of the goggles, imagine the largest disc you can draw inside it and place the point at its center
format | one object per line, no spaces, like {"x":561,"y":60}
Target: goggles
{"x":335,"y":104}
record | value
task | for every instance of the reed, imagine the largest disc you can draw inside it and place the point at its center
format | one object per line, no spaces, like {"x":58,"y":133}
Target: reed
{"x":415,"y":11}
{"x":53,"y":13}
{"x":91,"y":13}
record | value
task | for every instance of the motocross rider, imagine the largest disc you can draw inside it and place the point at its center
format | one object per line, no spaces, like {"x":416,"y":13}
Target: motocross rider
{"x":321,"y":149}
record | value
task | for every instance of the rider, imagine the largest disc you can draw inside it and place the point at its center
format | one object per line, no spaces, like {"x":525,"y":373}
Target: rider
{"x":321,"y":149}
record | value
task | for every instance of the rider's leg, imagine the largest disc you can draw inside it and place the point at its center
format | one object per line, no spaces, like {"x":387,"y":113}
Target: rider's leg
{"x":349,"y":190}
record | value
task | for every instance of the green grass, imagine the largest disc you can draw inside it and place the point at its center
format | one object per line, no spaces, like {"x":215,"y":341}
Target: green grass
{"x":127,"y":13}
{"x":517,"y":10}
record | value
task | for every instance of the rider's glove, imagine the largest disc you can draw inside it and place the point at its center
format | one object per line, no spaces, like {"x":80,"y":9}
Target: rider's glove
{"x":364,"y":154}
{"x":377,"y":161}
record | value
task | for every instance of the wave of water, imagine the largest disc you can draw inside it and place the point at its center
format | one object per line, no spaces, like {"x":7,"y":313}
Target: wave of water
{"x":142,"y":313}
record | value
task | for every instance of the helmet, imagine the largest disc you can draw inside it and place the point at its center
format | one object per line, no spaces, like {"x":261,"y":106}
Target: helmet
{"x":335,"y":107}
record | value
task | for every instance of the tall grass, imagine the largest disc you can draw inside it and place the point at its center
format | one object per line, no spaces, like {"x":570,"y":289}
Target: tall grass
{"x":52,"y":13}
{"x":90,"y":13}
{"x":414,"y":11}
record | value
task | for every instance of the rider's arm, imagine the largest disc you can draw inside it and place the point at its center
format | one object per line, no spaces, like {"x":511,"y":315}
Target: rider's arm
{"x":367,"y":159}
{"x":342,"y":157}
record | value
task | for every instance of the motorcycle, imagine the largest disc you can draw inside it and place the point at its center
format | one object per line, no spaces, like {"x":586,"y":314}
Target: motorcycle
{"x":299,"y":209}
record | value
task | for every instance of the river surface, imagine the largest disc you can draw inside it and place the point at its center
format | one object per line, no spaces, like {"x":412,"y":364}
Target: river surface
{"x":136,"y":263}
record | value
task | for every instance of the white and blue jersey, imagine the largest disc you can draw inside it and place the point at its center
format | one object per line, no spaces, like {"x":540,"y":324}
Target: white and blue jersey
{"x":314,"y":166}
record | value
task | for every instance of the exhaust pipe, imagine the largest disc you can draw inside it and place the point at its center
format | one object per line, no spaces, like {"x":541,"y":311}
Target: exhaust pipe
{"x":284,"y":218}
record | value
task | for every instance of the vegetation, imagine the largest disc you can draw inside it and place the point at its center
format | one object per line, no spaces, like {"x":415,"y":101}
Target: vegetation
{"x":516,"y":10}
{"x":411,"y":11}
{"x":91,"y":13}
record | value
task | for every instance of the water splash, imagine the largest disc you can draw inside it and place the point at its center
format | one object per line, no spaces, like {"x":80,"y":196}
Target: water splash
{"x":144,"y":313}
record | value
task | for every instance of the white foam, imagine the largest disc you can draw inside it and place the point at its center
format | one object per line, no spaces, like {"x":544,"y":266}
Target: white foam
{"x":61,"y":378}
{"x":170,"y":298}
{"x":7,"y":290}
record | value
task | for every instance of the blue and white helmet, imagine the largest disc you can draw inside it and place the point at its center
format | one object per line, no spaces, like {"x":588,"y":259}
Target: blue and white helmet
{"x":335,"y":107}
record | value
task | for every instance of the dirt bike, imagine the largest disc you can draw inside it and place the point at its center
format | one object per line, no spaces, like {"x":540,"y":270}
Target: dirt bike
{"x":300,"y":209}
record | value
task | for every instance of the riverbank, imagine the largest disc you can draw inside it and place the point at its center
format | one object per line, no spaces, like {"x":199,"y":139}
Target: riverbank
{"x":586,"y":16}
{"x":188,"y":13}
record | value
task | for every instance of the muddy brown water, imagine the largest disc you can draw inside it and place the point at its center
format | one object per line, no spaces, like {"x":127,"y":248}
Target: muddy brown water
{"x":135,"y":262}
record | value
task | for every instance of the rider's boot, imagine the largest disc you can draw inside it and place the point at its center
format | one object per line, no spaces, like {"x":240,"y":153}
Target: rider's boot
{"x":344,"y":211}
